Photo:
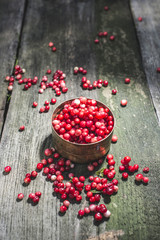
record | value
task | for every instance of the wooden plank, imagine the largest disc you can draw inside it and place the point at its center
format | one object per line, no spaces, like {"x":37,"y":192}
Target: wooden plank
{"x":148,"y":33}
{"x":135,"y":208}
{"x":11,"y":15}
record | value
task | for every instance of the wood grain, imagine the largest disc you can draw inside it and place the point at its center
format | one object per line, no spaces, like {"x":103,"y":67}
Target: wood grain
{"x":11,"y":15}
{"x":148,"y":33}
{"x":73,"y":26}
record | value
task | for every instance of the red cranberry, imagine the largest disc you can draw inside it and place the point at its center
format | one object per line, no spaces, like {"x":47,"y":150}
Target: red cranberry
{"x":27,"y":180}
{"x":127,"y":80}
{"x":39,"y":166}
{"x":123,"y":102}
{"x":136,"y":167}
{"x":20,"y":196}
{"x":22,"y":128}
{"x":112,"y":38}
{"x":114,"y":139}
{"x":35,"y":104}
{"x":146,"y":169}
{"x":34,"y":174}
{"x":106,"y":8}
{"x":53,"y":100}
{"x":139,"y":177}
{"x":114,"y":91}
{"x":50,"y":44}
{"x":96,"y":41}
{"x":98,"y":216}
{"x":7,"y":169}
{"x":54,"y":49}
{"x":81,"y":213}
{"x":125,"y":175}
{"x":140,"y":19}
{"x":145,"y":179}
{"x":38,"y":194}
{"x":31,"y":195}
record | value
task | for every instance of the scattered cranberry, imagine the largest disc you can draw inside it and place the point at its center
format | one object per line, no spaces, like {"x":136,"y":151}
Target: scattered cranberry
{"x":20,"y":196}
{"x":22,"y":128}
{"x":50,"y":44}
{"x":38,"y":194}
{"x":146,"y":169}
{"x":31,"y":195}
{"x":53,"y":100}
{"x":106,"y":8}
{"x":98,"y":216}
{"x":123,"y":102}
{"x":35,"y":199}
{"x":10,"y":88}
{"x":107,"y":214}
{"x":7,"y":169}
{"x":96,"y":40}
{"x":158,"y":69}
{"x":114,"y":91}
{"x":136,"y":167}
{"x":81,"y":213}
{"x":35,"y":104}
{"x":34,"y":174}
{"x":27,"y":180}
{"x":48,"y":152}
{"x":112,"y":38}
{"x":48,"y":71}
{"x":145,"y":179}
{"x":139,"y":177}
{"x":114,"y":139}
{"x":42,"y":109}
{"x":54,"y":49}
{"x":39,"y":166}
{"x":125,"y":175}
{"x":127,"y":80}
{"x":140,"y":19}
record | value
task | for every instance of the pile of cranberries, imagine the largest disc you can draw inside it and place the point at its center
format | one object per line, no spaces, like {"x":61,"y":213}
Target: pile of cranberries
{"x":82,"y":121}
{"x":58,"y":83}
{"x":86,"y":84}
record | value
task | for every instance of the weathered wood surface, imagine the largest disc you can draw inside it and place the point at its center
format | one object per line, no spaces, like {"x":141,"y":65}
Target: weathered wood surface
{"x":11,"y":16}
{"x":148,"y":33}
{"x":72,"y":26}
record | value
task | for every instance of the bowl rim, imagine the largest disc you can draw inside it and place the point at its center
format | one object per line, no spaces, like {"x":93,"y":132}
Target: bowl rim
{"x":80,"y":144}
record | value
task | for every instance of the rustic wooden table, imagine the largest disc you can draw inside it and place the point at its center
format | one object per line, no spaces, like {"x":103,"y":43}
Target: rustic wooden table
{"x":26,"y":28}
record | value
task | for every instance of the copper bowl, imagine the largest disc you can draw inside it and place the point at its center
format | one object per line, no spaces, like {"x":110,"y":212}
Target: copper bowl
{"x":81,"y":153}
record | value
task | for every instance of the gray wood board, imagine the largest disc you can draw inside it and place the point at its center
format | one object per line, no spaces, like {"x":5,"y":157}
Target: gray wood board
{"x":148,"y":33}
{"x":135,"y":209}
{"x":11,"y":15}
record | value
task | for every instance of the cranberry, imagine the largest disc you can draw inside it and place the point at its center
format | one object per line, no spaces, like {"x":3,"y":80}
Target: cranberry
{"x":48,"y":71}
{"x":38,"y":194}
{"x":82,"y":178}
{"x":96,"y":40}
{"x":158,"y":69}
{"x":48,"y":152}
{"x":123,"y":102}
{"x":145,"y":180}
{"x":139,"y":177}
{"x":31,"y":195}
{"x":114,"y":91}
{"x":81,"y":213}
{"x":125,"y":175}
{"x":42,"y":109}
{"x":92,"y":207}
{"x":136,"y":167}
{"x":22,"y":128}
{"x":54,"y":49}
{"x":107,"y":214}
{"x":127,"y":80}
{"x":35,"y":104}
{"x":114,"y":139}
{"x":39,"y":166}
{"x":10,"y":88}
{"x":112,"y":38}
{"x":53,"y":100}
{"x":20,"y":196}
{"x":146,"y":169}
{"x":86,"y":210}
{"x":98,"y":216}
{"x":121,"y":168}
{"x":127,"y":159}
{"x":105,"y":83}
{"x":50,"y":44}
{"x":140,"y":19}
{"x":27,"y":180}
{"x":106,"y":8}
{"x":7,"y":169}
{"x":34,"y":174}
